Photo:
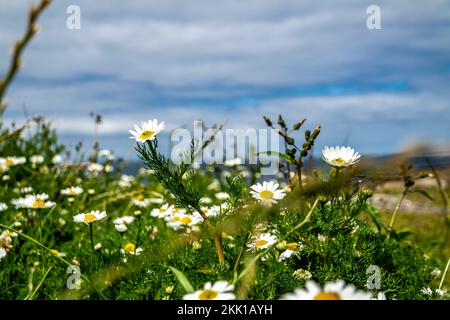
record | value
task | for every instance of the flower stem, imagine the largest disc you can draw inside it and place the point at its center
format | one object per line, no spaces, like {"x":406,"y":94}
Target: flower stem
{"x":445,"y":272}
{"x":397,"y":209}
{"x":92,"y":245}
{"x":217,"y":237}
{"x":139,"y":232}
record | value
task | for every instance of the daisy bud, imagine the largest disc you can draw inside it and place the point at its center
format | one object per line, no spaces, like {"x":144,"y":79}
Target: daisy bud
{"x":289,"y":140}
{"x":307,"y":134}
{"x":281,"y":122}
{"x":98,"y":246}
{"x":169,"y":289}
{"x":315,"y":133}
{"x":267,"y":120}
{"x":299,"y":124}
{"x":282,"y":245}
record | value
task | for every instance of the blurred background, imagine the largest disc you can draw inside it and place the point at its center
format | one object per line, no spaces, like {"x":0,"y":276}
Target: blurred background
{"x":234,"y":61}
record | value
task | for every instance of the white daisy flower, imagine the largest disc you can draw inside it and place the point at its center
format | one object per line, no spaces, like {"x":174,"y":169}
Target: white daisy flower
{"x":262,"y":241}
{"x":130,"y":248}
{"x":125,"y":181}
{"x":267,"y":192}
{"x":95,"y":168}
{"x":233,"y":162}
{"x":3,"y":206}
{"x":121,"y":224}
{"x":105,"y":153}
{"x":33,"y":202}
{"x":334,"y":290}
{"x":183,"y":220}
{"x":90,"y":217}
{"x":220,"y":290}
{"x":98,"y":246}
{"x":72,"y":191}
{"x":57,"y":159}
{"x":36,"y":159}
{"x":222,"y":196}
{"x":12,"y":161}
{"x":140,"y":201}
{"x":209,"y":211}
{"x":124,"y":220}
{"x":120,"y":227}
{"x":162,"y":212}
{"x":147,"y":131}
{"x":286,"y":254}
{"x":206,"y":200}
{"x":340,"y":156}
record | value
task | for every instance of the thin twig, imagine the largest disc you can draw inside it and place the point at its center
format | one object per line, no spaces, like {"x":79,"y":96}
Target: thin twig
{"x":16,"y":62}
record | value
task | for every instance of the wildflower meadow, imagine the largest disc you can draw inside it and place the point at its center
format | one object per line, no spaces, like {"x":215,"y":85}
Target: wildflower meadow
{"x":83,"y":224}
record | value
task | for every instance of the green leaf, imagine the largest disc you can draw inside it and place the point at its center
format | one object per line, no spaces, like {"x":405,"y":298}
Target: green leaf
{"x":183,"y":280}
{"x":274,"y":153}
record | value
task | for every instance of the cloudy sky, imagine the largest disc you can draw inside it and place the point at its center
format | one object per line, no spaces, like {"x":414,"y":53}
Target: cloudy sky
{"x":235,"y":61}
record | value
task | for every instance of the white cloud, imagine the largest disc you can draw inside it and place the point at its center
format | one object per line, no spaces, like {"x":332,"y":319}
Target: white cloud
{"x":140,"y":59}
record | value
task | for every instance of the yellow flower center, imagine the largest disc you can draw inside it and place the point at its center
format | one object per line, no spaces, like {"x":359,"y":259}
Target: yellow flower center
{"x":38,"y":203}
{"x":185,"y":220}
{"x":327,"y":296}
{"x":162,"y":210}
{"x":292,"y":245}
{"x":147,"y":134}
{"x":176,"y":218}
{"x":89,"y":218}
{"x":340,"y":161}
{"x":261,"y":243}
{"x":129,"y":247}
{"x":208,"y":295}
{"x":139,"y":197}
{"x":9,"y":162}
{"x":54,"y":252}
{"x":266,"y":194}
